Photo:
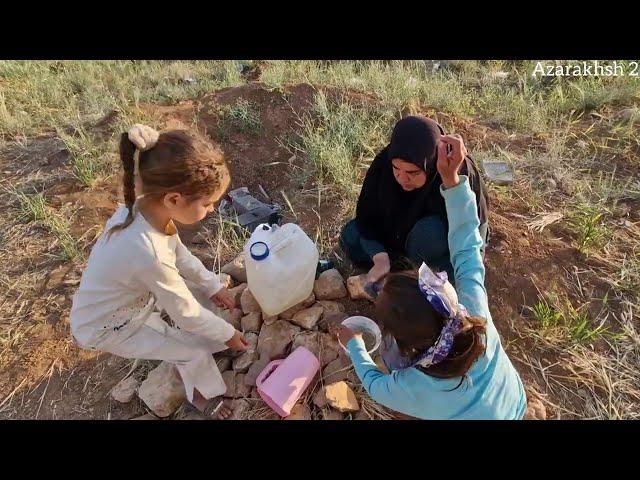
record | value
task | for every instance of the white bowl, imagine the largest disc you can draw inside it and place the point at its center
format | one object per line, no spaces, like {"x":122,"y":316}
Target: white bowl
{"x":360,"y":324}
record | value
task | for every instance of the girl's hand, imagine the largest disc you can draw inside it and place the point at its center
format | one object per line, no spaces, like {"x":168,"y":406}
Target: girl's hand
{"x":224,"y":299}
{"x":143,"y":137}
{"x":449,"y":163}
{"x":345,"y":334}
{"x":237,"y":342}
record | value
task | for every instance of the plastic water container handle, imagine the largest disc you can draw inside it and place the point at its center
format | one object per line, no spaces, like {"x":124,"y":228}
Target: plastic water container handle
{"x":268,"y":370}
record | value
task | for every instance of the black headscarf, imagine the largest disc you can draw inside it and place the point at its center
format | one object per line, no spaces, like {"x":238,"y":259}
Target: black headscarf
{"x":385,"y":211}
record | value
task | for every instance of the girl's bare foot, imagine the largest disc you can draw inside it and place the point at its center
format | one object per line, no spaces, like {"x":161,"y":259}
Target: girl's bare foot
{"x":222,"y":411}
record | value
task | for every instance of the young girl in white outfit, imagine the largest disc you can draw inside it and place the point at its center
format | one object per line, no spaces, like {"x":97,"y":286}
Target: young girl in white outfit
{"x":139,"y":267}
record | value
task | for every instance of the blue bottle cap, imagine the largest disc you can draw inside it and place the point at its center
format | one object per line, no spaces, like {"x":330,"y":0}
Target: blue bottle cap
{"x":259,"y":251}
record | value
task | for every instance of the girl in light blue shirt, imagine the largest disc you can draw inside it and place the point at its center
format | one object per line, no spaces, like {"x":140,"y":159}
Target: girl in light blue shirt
{"x":441,"y":345}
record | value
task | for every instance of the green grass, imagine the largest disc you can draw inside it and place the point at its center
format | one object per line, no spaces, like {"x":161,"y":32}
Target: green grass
{"x":565,"y":323}
{"x":587,"y":224}
{"x":90,"y":156}
{"x":227,"y":241}
{"x":243,"y":116}
{"x":338,"y":137}
{"x":34,"y":207}
{"x":398,"y":85}
{"x":38,"y":96}
{"x":546,"y":314}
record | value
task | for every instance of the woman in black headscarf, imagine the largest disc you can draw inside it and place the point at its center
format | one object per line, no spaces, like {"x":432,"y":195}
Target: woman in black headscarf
{"x":401,"y":212}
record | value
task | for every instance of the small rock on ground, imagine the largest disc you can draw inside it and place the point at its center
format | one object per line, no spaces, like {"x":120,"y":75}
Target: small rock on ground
{"x":236,"y":268}
{"x":251,"y":322}
{"x":309,"y":317}
{"x":125,"y":390}
{"x":249,"y":303}
{"x":330,"y":286}
{"x":355,"y":285}
{"x":225,"y":280}
{"x":163,"y":390}
{"x":340,"y":396}
{"x":275,"y":339}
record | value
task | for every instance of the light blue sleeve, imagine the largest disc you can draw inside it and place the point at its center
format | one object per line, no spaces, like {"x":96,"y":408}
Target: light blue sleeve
{"x":391,"y":390}
{"x":464,"y":244}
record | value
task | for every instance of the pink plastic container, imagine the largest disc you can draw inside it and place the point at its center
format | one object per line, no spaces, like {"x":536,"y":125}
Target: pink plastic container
{"x":282,"y":382}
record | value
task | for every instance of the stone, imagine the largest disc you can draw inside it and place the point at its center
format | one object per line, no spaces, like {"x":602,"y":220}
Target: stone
{"x":331,"y":307}
{"x":239,"y":407}
{"x":288,"y":314}
{"x":124,"y":391}
{"x":337,"y":370}
{"x":299,"y":412}
{"x":236,"y":268}
{"x":269,"y":320}
{"x":331,"y":320}
{"x":330,"y":286}
{"x":523,"y":242}
{"x":232,"y":317}
{"x":331,"y":414}
{"x":162,"y":391}
{"x":308,"y":318}
{"x":236,"y":387}
{"x":309,"y":301}
{"x":242,"y":363}
{"x":251,"y":322}
{"x":275,"y":339}
{"x":224,"y":363}
{"x":323,"y":345}
{"x":340,"y":396}
{"x":319,"y":399}
{"x":254,"y":370}
{"x":249,"y":303}
{"x":146,"y":416}
{"x":535,"y":410}
{"x":498,"y":172}
{"x":236,"y":292}
{"x":225,"y":280}
{"x":355,"y":286}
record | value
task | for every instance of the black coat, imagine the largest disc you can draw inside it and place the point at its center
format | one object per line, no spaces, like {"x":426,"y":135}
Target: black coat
{"x":386,"y":213}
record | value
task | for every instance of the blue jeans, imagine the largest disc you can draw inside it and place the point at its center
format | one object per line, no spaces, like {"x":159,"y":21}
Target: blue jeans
{"x":427,"y":242}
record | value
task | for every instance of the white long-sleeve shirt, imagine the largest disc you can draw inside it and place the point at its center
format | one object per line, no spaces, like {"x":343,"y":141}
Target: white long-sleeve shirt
{"x":134,"y":272}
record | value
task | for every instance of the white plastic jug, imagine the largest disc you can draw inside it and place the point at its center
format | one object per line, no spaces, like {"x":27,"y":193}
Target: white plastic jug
{"x":281,"y":264}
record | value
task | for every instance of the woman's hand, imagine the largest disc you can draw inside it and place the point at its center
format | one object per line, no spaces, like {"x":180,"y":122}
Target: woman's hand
{"x":142,"y":136}
{"x":380,"y":269}
{"x":449,"y":163}
{"x":237,"y":342}
{"x":224,"y":299}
